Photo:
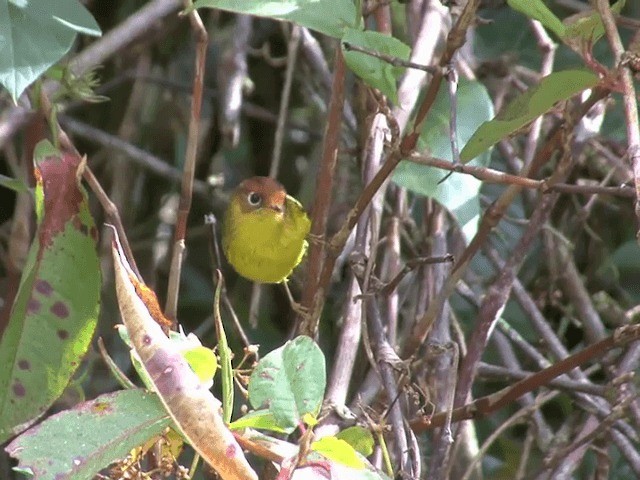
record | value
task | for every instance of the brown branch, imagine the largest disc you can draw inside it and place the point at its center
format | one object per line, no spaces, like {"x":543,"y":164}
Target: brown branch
{"x":495,"y":372}
{"x":202,"y":40}
{"x":292,"y":56}
{"x":490,"y":220}
{"x":628,"y":94}
{"x":490,"y":175}
{"x":394,"y":61}
{"x":313,"y":294}
{"x":499,"y":292}
{"x":599,"y":428}
{"x":489,"y":404}
{"x":318,"y":280}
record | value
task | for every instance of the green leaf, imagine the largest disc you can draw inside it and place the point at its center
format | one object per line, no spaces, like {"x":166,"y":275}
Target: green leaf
{"x":55,"y":311}
{"x":359,"y":438}
{"x":537,"y":10}
{"x":459,"y":193}
{"x":203,"y":362}
{"x":289,"y":381}
{"x":527,"y":107}
{"x":260,"y":419}
{"x":586,"y":28}
{"x":225,"y":356}
{"x":377,"y":73}
{"x":78,"y":443}
{"x":36,"y":35}
{"x":339,"y":451}
{"x":13,"y":184}
{"x":330,"y":17}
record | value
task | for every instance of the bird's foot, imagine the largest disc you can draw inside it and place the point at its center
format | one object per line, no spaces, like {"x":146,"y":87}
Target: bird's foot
{"x":316,"y":239}
{"x":295,"y":306}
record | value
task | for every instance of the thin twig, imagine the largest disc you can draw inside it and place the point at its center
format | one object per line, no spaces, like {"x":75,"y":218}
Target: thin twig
{"x":137,"y":155}
{"x":452,"y":82}
{"x":600,"y":428}
{"x":629,"y":97}
{"x":516,"y":418}
{"x":490,"y":219}
{"x":394,"y":61}
{"x":410,"y":266}
{"x":292,"y":55}
{"x":232,"y":75}
{"x":214,"y":251}
{"x":173,"y":288}
{"x":496,"y":372}
{"x":313,"y":294}
{"x":486,"y":405}
{"x":319,"y":280}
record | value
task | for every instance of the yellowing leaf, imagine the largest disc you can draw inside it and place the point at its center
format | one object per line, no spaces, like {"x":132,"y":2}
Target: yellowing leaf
{"x":203,"y":362}
{"x":359,"y":438}
{"x":339,"y":451}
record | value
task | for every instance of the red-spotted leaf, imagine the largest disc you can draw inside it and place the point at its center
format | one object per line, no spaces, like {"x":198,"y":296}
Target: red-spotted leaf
{"x":54,"y":314}
{"x":79,"y":442}
{"x":194,"y":410}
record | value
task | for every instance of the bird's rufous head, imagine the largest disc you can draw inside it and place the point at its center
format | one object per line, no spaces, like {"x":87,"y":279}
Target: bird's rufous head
{"x":260,"y":192}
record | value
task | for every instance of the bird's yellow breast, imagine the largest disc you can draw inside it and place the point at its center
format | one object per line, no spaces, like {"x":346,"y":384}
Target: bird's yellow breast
{"x":264,"y":245}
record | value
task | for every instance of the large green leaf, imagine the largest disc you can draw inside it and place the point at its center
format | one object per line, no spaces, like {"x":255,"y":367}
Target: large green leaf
{"x":459,"y":193}
{"x":527,"y":107}
{"x":330,"y":17}
{"x":78,"y":443}
{"x":36,"y":34}
{"x":55,"y":311}
{"x":377,"y":73}
{"x":537,"y":10}
{"x":289,"y":382}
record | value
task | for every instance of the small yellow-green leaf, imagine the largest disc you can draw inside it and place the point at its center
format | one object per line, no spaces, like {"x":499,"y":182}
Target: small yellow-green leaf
{"x":310,"y":420}
{"x":259,"y":419}
{"x":339,"y":451}
{"x":203,"y":362}
{"x":359,"y":438}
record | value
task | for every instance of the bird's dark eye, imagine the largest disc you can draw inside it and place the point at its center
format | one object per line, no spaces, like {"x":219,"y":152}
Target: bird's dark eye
{"x":254,"y":198}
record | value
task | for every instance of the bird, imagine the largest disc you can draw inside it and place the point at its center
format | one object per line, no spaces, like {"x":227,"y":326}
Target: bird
{"x":264,"y":232}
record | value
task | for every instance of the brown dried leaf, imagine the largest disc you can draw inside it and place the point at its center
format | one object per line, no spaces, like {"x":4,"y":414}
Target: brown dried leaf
{"x":195,"y":411}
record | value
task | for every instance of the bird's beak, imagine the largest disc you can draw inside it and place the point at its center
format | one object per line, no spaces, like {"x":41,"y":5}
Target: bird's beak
{"x":277,"y":208}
